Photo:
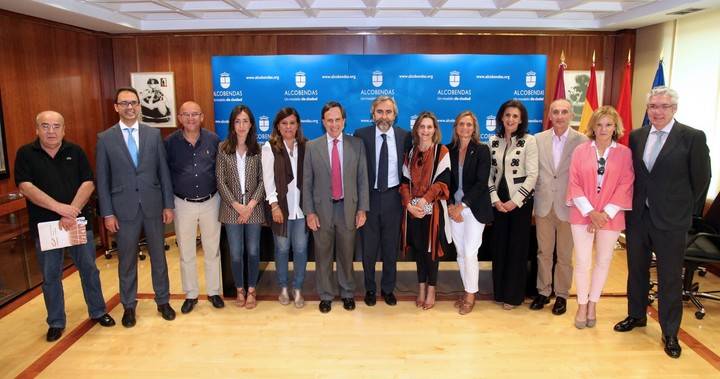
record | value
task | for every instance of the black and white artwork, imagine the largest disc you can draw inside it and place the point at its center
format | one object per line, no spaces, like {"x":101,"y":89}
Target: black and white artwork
{"x":157,"y":97}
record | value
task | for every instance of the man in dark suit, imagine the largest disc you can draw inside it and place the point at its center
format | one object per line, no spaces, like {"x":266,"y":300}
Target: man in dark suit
{"x":135,"y":192}
{"x":672,"y":170}
{"x":335,"y":199}
{"x":384,"y":148}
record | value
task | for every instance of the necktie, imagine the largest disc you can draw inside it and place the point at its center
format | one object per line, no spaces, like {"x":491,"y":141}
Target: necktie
{"x":132,"y":146}
{"x":655,"y":150}
{"x":337,"y":191}
{"x":382,"y":174}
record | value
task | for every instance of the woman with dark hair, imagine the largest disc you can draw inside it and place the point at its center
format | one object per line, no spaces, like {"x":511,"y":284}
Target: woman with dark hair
{"x":513,"y":172}
{"x":424,"y":190}
{"x":469,"y":204}
{"x":600,"y":190}
{"x":240,"y":183}
{"x":282,"y":163}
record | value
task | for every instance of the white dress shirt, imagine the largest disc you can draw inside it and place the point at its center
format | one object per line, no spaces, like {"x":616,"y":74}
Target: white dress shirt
{"x":583,"y":204}
{"x":293,"y":193}
{"x":241,"y":173}
{"x":393,"y":179}
{"x":652,"y":139}
{"x":558,"y":144}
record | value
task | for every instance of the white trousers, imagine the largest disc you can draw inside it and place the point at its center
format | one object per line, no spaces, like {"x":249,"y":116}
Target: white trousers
{"x":589,"y":285}
{"x":467,"y":237}
{"x":188,"y":216}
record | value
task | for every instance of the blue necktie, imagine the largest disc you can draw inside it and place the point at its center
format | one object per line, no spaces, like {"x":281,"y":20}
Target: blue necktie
{"x":132,"y":146}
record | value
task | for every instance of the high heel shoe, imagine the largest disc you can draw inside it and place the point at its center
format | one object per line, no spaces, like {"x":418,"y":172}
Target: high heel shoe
{"x":592,"y":308}
{"x":240,"y":300}
{"x":251,"y":301}
{"x":420,"y":301}
{"x":284,"y":297}
{"x":298,"y":299}
{"x":581,"y":323}
{"x":430,"y":299}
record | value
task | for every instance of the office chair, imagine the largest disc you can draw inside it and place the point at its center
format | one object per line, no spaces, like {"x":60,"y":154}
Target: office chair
{"x":703,"y":248}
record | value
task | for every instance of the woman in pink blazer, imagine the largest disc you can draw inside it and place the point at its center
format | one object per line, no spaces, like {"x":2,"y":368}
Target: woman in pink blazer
{"x":599,"y":191}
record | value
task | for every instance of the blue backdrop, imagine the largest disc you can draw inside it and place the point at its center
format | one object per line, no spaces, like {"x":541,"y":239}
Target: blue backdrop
{"x":443,"y":84}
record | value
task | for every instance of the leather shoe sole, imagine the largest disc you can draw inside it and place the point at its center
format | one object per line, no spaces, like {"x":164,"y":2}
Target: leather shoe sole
{"x":630,"y":323}
{"x":54,"y":334}
{"x":105,"y":320}
{"x":188,"y":305}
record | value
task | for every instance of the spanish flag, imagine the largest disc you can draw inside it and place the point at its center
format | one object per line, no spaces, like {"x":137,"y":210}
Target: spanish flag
{"x":591,"y":100}
{"x":624,"y":106}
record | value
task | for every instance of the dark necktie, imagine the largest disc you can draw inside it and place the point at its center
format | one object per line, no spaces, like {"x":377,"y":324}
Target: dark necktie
{"x":382,"y":174}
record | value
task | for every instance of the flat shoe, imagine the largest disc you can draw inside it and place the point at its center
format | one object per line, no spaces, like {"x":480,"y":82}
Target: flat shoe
{"x":466,"y":307}
{"x":508,"y":307}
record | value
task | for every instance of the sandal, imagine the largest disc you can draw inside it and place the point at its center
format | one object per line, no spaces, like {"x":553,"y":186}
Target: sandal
{"x":240,"y":301}
{"x":430,"y":299}
{"x":459,"y":302}
{"x":251,"y":299}
{"x":467,"y":306}
{"x":420,"y":301}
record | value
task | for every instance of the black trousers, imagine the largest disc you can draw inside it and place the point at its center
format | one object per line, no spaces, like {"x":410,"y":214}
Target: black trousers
{"x":669,"y":246}
{"x":381,"y":239}
{"x":417,"y":237}
{"x":511,"y":239}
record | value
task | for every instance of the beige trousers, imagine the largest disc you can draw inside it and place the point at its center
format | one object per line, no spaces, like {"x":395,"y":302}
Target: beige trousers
{"x":554,"y":233}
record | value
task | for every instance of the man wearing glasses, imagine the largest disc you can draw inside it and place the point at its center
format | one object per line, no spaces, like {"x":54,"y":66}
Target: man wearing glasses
{"x":672,"y":172}
{"x":135,"y":193}
{"x":191,"y":155}
{"x":555,"y":148}
{"x":55,"y":176}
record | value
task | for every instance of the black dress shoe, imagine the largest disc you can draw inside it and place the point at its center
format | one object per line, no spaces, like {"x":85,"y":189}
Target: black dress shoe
{"x":188,"y":305}
{"x":539,"y":302}
{"x":128,"y":319}
{"x":370,"y":298}
{"x":216,"y":301}
{"x":105,"y":320}
{"x":325,"y":306}
{"x":348,"y":303}
{"x":629,"y":323}
{"x":672,"y":346}
{"x":389,"y":298}
{"x":560,"y":306}
{"x":54,"y":334}
{"x":166,"y":311}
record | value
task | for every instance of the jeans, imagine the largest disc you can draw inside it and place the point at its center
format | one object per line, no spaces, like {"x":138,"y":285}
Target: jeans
{"x":297,"y":236}
{"x":241,"y":237}
{"x":51,"y":265}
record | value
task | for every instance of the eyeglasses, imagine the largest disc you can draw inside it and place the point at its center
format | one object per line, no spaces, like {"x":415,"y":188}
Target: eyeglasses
{"x":601,"y":166}
{"x":128,"y":104}
{"x":189,"y":115}
{"x":657,"y":107}
{"x":48,"y":127}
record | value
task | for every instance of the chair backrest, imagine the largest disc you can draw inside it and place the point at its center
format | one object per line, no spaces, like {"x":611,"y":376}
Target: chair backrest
{"x":712,"y":216}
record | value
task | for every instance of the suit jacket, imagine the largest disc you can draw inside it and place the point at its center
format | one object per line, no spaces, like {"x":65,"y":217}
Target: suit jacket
{"x":617,"y":184}
{"x":476,"y":171}
{"x":122,"y":187}
{"x":520,"y":168}
{"x":228,"y":183}
{"x":317,"y":182}
{"x":551,"y":185}
{"x":678,"y":179}
{"x":402,"y":143}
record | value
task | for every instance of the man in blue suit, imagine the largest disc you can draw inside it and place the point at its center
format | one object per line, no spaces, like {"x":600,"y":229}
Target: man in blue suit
{"x":135,"y":193}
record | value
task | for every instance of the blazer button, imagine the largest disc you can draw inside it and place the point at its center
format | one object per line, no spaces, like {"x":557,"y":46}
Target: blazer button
{"x":136,"y":190}
{"x":555,"y":177}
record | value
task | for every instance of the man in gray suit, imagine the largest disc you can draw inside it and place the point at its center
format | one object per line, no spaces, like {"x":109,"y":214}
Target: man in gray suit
{"x":135,"y":192}
{"x":385,"y":145}
{"x":555,"y":148}
{"x":335,"y":161}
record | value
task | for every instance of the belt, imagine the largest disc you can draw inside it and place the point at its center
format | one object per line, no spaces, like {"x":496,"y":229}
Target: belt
{"x":197,"y":199}
{"x":389,"y":189}
{"x":335,"y":201}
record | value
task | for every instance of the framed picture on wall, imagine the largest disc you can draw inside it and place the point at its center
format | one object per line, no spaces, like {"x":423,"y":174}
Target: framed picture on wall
{"x":157,"y":97}
{"x":4,"y":170}
{"x":576,"y":83}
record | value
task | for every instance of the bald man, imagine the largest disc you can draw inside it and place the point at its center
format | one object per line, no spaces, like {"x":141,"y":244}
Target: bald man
{"x":191,"y":154}
{"x":555,"y":147}
{"x":55,"y":177}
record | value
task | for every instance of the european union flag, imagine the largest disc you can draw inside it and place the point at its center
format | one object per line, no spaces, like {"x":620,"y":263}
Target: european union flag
{"x":657,"y":82}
